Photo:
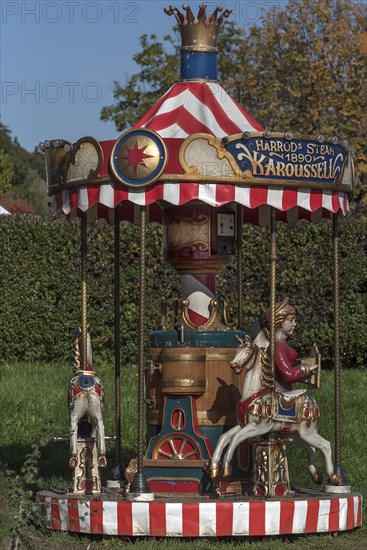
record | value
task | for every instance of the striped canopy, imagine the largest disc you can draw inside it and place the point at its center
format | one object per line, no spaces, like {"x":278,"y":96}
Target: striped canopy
{"x":193,"y":107}
{"x":188,"y":108}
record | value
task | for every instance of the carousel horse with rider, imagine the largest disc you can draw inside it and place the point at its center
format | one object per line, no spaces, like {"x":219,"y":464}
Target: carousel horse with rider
{"x":268,"y":404}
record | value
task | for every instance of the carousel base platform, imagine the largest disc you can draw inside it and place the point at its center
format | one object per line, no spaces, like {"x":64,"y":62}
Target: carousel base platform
{"x":309,"y":512}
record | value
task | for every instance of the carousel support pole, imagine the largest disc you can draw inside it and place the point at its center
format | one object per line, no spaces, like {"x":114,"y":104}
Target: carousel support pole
{"x":266,"y":479}
{"x":140,"y":489}
{"x":273,"y":271}
{"x":83,"y":262}
{"x":239,"y":244}
{"x":336,"y":298}
{"x":117,"y":473}
{"x":81,"y":474}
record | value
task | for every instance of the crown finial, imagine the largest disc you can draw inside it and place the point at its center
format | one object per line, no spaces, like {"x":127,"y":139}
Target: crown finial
{"x":200,"y":34}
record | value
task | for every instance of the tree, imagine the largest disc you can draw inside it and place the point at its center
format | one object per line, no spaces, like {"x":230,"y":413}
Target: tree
{"x":6,"y":172}
{"x":145,"y":87}
{"x":301,"y":69}
{"x":22,"y":176}
{"x":308,"y":60}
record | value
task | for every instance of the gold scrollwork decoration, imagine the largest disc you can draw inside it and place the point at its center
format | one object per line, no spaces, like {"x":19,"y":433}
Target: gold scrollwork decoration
{"x":85,"y":160}
{"x":204,"y":158}
{"x":86,"y":468}
{"x":73,"y":165}
{"x":191,"y":232}
{"x":208,"y":152}
{"x":214,"y":322}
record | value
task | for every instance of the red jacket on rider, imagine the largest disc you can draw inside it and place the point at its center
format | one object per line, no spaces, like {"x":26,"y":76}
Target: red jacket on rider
{"x":286,"y":373}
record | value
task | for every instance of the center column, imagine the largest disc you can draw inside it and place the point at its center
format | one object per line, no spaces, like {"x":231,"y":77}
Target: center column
{"x":198,"y":243}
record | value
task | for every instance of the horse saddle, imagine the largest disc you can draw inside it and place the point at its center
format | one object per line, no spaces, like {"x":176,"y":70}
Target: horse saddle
{"x":287,"y":400}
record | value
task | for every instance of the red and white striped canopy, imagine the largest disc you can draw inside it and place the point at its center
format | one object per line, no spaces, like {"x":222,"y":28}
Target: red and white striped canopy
{"x":192,"y":107}
{"x":189,"y":108}
{"x":291,"y":204}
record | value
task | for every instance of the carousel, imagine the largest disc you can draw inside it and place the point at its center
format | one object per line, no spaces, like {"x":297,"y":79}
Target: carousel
{"x":216,"y":408}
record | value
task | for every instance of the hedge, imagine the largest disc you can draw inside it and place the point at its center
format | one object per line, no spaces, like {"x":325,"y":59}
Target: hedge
{"x":40,"y":286}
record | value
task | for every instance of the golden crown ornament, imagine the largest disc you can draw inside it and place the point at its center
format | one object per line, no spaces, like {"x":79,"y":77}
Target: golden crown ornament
{"x":200,"y":34}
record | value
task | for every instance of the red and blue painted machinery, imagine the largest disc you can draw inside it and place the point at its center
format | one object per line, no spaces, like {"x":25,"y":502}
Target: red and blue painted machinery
{"x":191,"y":390}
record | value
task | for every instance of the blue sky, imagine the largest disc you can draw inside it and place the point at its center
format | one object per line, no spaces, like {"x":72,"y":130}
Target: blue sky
{"x":59,"y":60}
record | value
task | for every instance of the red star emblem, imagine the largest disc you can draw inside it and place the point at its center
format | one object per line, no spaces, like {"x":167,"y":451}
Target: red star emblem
{"x":135,"y":156}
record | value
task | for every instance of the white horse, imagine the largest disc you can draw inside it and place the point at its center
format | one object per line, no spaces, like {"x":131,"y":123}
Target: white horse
{"x":86,"y":396}
{"x":260,"y":412}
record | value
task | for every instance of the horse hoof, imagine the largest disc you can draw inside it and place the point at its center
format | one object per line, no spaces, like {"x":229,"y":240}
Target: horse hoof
{"x":102,"y":461}
{"x":73,"y":461}
{"x":317,"y":478}
{"x":227,"y":470}
{"x":335,"y":479}
{"x":214,"y":471}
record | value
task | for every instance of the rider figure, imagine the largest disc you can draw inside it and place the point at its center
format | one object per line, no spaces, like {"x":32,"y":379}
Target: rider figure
{"x":285,"y":356}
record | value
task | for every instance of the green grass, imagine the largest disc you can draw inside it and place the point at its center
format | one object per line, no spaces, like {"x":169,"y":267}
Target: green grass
{"x":32,"y":396}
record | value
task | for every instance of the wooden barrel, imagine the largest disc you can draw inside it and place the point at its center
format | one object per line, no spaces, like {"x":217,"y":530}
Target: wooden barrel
{"x":202,"y":372}
{"x":182,"y":371}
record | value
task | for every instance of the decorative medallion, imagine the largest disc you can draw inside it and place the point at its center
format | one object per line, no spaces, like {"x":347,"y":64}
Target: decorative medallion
{"x":138,"y":157}
{"x":86,"y":382}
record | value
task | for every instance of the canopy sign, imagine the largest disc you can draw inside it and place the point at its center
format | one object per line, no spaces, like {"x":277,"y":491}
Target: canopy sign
{"x":277,"y":159}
